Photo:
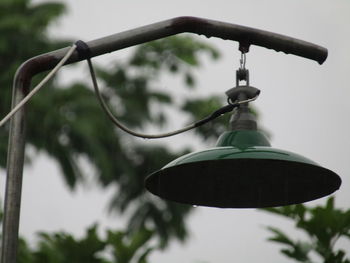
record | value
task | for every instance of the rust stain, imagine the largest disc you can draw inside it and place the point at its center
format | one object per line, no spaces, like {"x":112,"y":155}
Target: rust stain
{"x":32,"y":67}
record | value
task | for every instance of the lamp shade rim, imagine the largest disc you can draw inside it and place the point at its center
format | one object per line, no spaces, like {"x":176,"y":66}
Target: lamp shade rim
{"x":243,"y":182}
{"x":243,"y":172}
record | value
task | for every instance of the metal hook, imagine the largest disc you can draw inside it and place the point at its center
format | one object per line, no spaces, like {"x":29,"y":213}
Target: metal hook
{"x":243,"y":60}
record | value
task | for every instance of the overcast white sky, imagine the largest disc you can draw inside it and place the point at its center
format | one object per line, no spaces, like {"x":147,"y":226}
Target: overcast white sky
{"x":304,"y":105}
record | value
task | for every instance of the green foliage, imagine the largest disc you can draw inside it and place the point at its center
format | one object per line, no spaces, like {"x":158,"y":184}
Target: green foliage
{"x":23,"y":35}
{"x":63,"y":247}
{"x":324,"y":225}
{"x":115,"y":247}
{"x":175,"y":54}
{"x":132,"y":248}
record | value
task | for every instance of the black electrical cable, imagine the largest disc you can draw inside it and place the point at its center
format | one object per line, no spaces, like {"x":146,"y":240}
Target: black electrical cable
{"x":217,"y":113}
{"x":83,"y":51}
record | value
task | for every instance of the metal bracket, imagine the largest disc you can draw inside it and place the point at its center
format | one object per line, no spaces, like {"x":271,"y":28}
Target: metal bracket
{"x":242,"y":74}
{"x":242,"y":93}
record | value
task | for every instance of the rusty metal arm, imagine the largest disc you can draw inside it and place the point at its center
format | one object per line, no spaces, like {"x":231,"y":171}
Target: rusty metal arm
{"x":244,"y":35}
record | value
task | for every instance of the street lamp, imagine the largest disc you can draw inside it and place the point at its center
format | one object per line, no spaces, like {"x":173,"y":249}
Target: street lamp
{"x":242,"y":171}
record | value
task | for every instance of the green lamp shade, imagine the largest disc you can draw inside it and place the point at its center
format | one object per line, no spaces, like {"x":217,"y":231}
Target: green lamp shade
{"x":242,"y":172}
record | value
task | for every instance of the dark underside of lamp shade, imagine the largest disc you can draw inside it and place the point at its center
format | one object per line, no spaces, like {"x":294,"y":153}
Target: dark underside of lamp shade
{"x":233,"y":181}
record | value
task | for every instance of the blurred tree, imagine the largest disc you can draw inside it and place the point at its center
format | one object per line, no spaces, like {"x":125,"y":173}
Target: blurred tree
{"x":75,"y":128}
{"x":62,"y":247}
{"x":323,"y":225}
{"x":23,"y":34}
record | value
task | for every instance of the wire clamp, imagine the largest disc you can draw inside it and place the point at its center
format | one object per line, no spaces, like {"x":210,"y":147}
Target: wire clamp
{"x":83,"y":50}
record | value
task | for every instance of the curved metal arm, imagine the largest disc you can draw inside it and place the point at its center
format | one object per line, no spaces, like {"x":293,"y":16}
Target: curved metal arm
{"x":244,"y":35}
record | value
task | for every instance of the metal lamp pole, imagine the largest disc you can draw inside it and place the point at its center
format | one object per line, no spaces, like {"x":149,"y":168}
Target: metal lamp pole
{"x":21,"y":86}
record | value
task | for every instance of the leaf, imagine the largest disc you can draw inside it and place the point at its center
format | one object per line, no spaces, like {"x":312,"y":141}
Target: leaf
{"x":280,"y":237}
{"x":189,"y":79}
{"x":324,"y":225}
{"x":140,"y":238}
{"x":144,"y":255}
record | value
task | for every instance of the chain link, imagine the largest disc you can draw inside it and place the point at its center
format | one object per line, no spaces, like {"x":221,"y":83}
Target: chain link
{"x":243,"y":60}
